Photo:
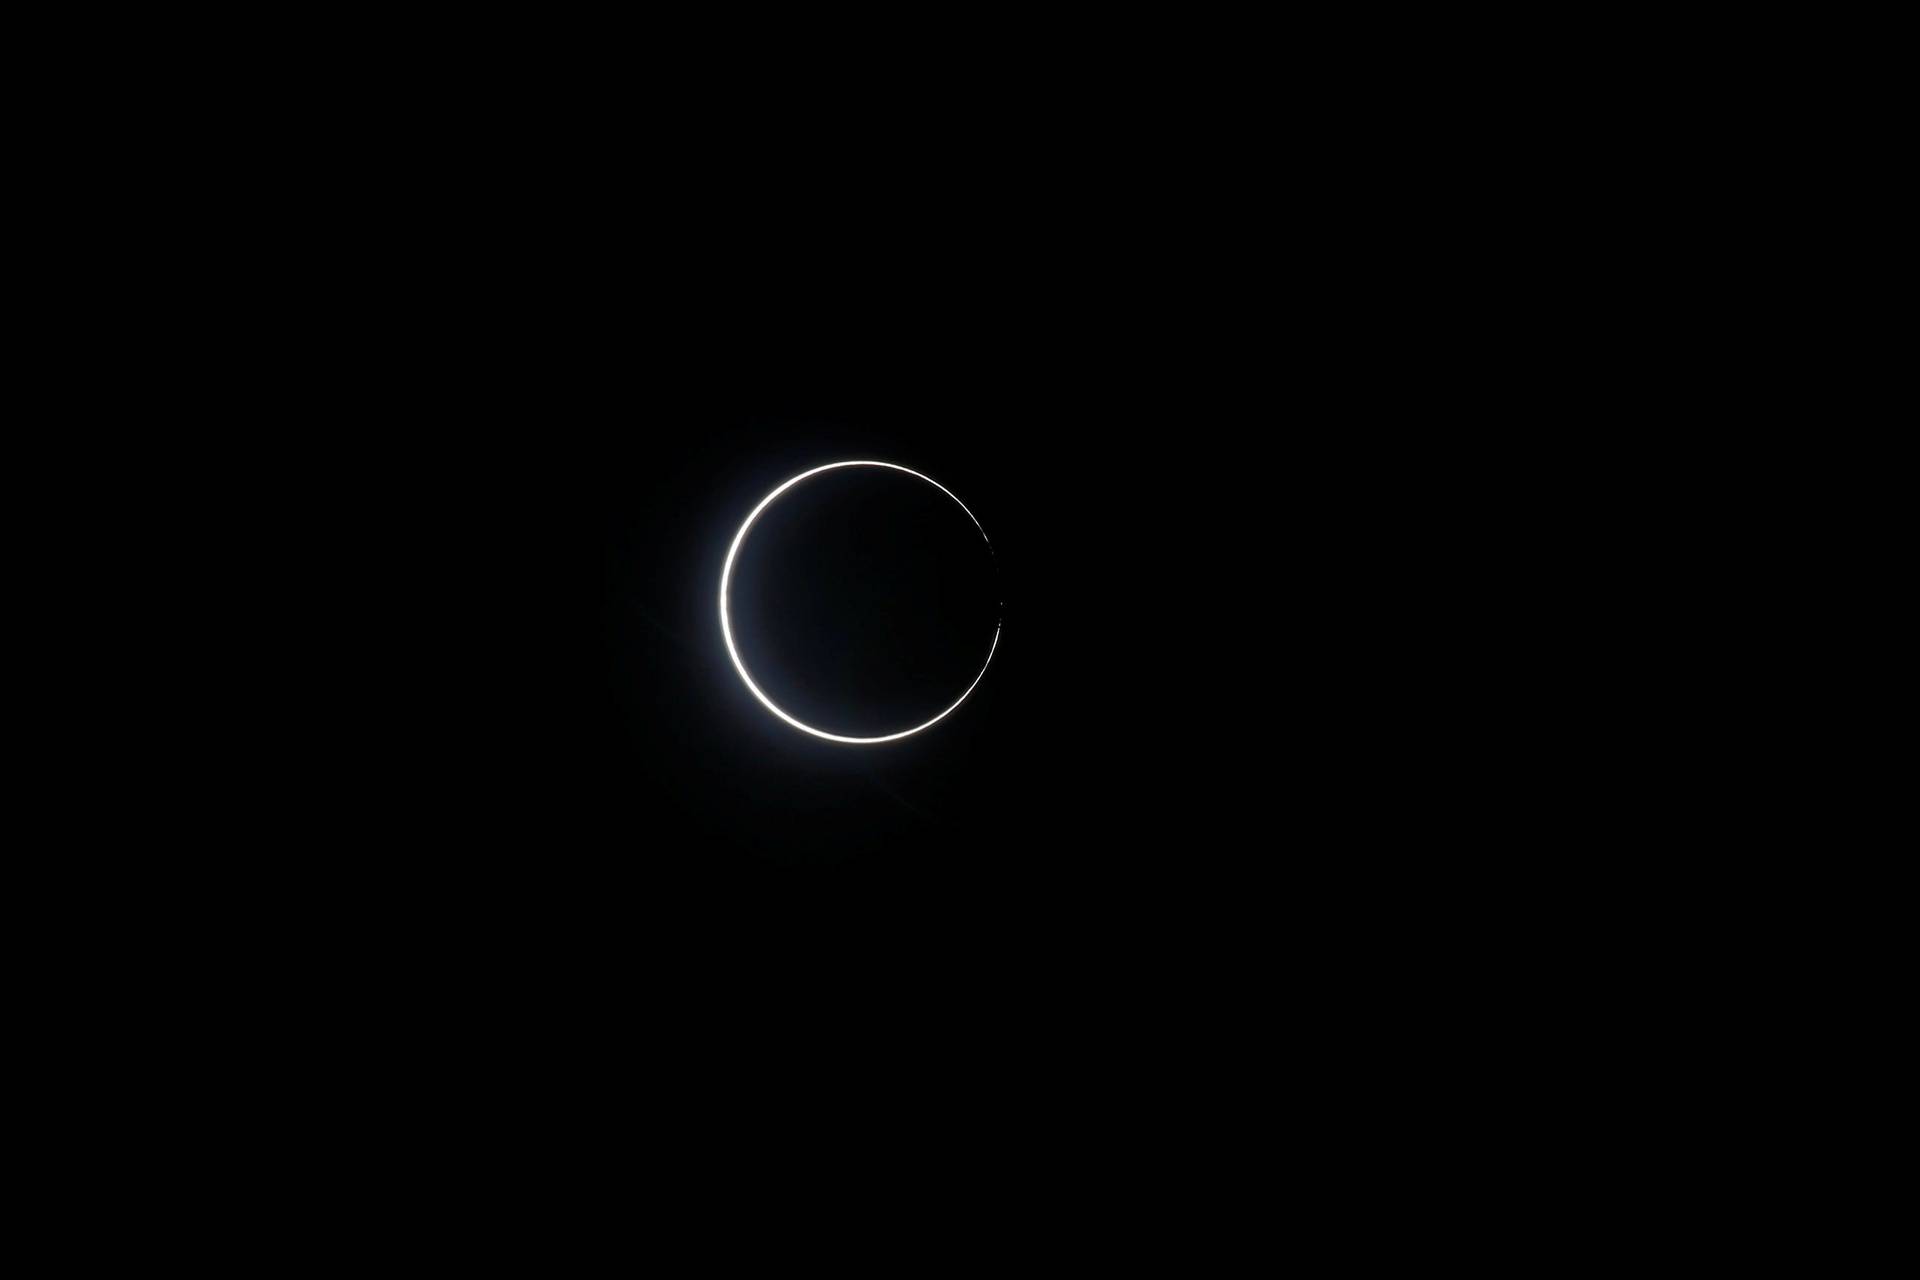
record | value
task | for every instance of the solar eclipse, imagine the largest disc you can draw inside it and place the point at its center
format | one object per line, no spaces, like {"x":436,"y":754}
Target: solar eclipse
{"x":912,"y":621}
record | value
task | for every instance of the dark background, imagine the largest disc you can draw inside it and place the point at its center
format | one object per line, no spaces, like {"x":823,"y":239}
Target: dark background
{"x":1262,"y":797}
{"x":1250,"y":471}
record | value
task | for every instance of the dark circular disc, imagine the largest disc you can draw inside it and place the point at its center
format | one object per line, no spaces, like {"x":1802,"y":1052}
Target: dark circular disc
{"x":864,"y":600}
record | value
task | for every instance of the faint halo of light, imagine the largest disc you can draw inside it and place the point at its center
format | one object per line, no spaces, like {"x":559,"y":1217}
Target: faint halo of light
{"x":726,"y":623}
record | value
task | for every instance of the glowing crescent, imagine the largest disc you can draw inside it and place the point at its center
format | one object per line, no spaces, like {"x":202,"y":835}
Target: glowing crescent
{"x":726,"y":623}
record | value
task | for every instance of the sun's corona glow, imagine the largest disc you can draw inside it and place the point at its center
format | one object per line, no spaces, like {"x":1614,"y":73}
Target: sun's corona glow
{"x":726,"y":622}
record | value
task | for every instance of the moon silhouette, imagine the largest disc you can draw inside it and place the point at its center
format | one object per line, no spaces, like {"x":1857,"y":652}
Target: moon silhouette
{"x":726,"y":621}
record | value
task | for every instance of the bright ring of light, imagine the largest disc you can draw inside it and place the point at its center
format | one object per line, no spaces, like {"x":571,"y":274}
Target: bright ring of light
{"x":726,"y":623}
